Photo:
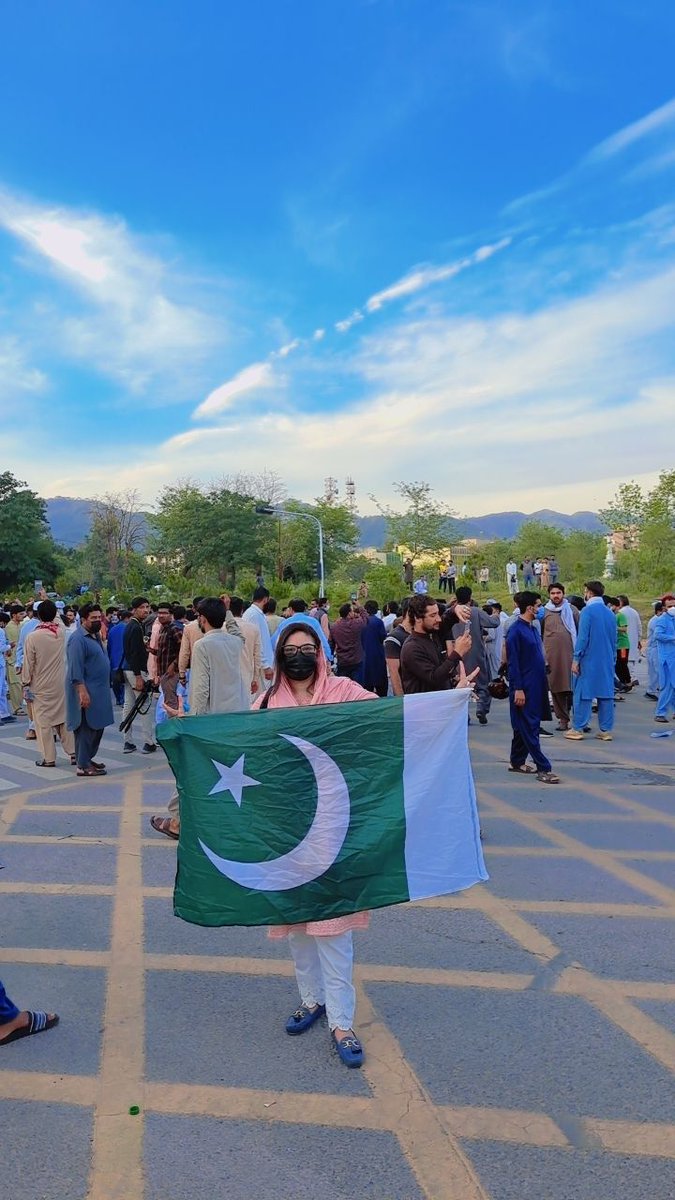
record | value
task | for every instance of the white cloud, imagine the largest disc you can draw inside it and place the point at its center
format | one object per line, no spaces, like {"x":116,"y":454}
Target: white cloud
{"x":16,"y":375}
{"x":124,"y":321}
{"x":254,"y":378}
{"x":288,"y":348}
{"x":318,"y":335}
{"x":425,"y":276}
{"x":353,"y":319}
{"x":656,"y":120}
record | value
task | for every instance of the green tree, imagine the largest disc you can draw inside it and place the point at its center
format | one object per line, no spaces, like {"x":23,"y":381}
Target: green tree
{"x":211,"y":532}
{"x":627,"y":510}
{"x":27,"y":550}
{"x":424,"y":526}
{"x":535,"y":539}
{"x":660,"y":504}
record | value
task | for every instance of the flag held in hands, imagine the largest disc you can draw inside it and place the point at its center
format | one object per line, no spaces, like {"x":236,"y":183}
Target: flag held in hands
{"x":303,"y":814}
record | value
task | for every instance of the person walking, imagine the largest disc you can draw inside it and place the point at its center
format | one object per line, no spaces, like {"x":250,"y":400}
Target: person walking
{"x":479,"y":621}
{"x":559,"y":633}
{"x":664,"y":636}
{"x":528,"y":692}
{"x":44,"y":675}
{"x":652,"y":692}
{"x":88,"y":704}
{"x":345,"y":636}
{"x":593,"y":665}
{"x":15,"y":1024}
{"x":136,"y":676}
{"x":322,"y":950}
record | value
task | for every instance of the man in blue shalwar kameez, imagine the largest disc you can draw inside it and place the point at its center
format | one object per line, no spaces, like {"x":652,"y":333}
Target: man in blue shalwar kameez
{"x":593,"y":665}
{"x":664,"y":636}
{"x":528,"y":691}
{"x":88,"y":703}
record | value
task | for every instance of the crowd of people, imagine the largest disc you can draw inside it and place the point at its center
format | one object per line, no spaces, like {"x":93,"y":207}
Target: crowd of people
{"x":63,"y":667}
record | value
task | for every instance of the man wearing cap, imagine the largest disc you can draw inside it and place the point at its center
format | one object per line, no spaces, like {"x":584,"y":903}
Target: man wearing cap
{"x":664,"y":636}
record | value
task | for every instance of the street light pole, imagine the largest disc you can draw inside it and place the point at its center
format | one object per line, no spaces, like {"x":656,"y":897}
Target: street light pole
{"x":271,"y":510}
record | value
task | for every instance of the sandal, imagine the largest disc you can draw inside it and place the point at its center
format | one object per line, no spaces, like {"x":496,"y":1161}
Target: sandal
{"x":526,"y":769}
{"x":89,"y":773}
{"x":163,"y":825}
{"x":303,"y":1018}
{"x":349,"y":1049}
{"x":41,"y":762}
{"x":31,"y":735}
{"x":37,"y":1023}
{"x":547,"y":777}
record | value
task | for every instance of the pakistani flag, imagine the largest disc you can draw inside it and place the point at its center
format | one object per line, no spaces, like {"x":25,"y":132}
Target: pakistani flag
{"x":301,"y":814}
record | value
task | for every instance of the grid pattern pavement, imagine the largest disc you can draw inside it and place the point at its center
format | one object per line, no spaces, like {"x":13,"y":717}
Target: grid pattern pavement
{"x":520,"y":1037}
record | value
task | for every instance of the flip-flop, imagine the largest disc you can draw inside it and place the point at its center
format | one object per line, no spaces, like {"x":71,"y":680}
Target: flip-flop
{"x":524,"y":770}
{"x":163,"y":825}
{"x":547,"y":777}
{"x":89,"y":773}
{"x":38,"y":1022}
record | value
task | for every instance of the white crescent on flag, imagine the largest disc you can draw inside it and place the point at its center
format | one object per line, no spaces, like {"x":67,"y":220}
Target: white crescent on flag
{"x":321,"y":844}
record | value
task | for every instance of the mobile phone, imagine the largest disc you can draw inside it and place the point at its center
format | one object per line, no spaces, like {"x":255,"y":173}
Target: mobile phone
{"x":353,"y":597}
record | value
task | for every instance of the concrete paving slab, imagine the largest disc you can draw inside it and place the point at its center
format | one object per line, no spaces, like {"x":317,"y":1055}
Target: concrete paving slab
{"x":228,"y":1030}
{"x":557,"y":879}
{"x":167,"y":934}
{"x":624,"y":835}
{"x":57,"y":863}
{"x":619,"y":948}
{"x":530,"y":796}
{"x":526,"y":1050}
{"x":56,"y":923}
{"x":63,"y":825}
{"x":453,"y":939}
{"x":77,"y":994}
{"x":498,"y":831}
{"x":45,"y":1161}
{"x":271,"y":1162}
{"x":662,"y":872}
{"x":527,"y":1173}
{"x":100,"y":792}
{"x":159,"y":862}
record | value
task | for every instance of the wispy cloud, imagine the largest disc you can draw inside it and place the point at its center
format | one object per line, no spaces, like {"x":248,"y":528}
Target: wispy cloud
{"x":123,"y":319}
{"x":424,"y":277}
{"x":257,"y":377}
{"x":655,"y":121}
{"x":16,"y":373}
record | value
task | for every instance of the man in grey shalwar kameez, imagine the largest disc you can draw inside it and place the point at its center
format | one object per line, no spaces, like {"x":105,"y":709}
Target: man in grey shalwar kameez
{"x":89,"y":706}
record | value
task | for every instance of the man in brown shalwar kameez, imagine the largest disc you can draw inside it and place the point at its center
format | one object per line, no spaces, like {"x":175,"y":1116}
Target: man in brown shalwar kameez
{"x":559,"y":631}
{"x":44,"y":673}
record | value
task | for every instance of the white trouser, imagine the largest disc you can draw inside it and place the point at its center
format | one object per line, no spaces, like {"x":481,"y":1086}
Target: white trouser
{"x":147,"y":721}
{"x":323,"y":969}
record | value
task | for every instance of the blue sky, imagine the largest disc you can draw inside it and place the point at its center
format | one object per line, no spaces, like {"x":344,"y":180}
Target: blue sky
{"x":392,"y":239}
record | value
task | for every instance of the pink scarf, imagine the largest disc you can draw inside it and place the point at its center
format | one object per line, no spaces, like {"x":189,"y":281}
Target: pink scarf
{"x":328,"y":689}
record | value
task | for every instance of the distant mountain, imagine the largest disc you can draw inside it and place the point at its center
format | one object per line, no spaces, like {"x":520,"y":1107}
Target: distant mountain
{"x":70,"y":521}
{"x":506,"y":525}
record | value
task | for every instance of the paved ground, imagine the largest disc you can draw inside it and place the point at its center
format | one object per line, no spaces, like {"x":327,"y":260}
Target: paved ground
{"x":520,"y":1039}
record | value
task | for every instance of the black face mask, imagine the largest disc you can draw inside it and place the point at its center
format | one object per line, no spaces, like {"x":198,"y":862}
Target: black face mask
{"x":94,"y":626}
{"x":299,"y":667}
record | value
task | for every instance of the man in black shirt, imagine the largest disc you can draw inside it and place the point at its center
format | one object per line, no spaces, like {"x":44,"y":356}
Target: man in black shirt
{"x":135,"y":667}
{"x":426,"y":664}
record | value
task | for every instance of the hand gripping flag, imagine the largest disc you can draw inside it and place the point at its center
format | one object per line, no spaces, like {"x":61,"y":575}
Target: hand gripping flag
{"x":303,"y":814}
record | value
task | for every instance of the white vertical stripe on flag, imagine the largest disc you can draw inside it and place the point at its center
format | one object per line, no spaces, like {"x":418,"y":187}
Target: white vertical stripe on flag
{"x":442,"y":845}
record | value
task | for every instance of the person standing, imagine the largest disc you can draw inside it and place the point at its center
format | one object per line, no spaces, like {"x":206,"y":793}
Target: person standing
{"x":165,"y":654}
{"x":652,"y":692}
{"x":512,"y":577}
{"x":664,"y":636}
{"x":634,"y":634}
{"x":319,"y":610}
{"x":621,"y":667}
{"x":372,"y":640}
{"x":408,"y":573}
{"x":17,"y":614}
{"x":251,"y":662}
{"x":528,"y":573}
{"x":393,"y":644}
{"x":254,"y":615}
{"x":345,"y":636}
{"x":528,"y":692}
{"x":115,"y":647}
{"x":27,"y":626}
{"x":88,"y":704}
{"x":272,"y":617}
{"x":479,"y":621}
{"x":484,"y":578}
{"x":136,"y":676}
{"x":6,"y":716}
{"x":554,"y":569}
{"x":44,"y":674}
{"x":559,"y":633}
{"x":593,"y":665}
{"x":322,"y":950}
{"x":426,"y":664}
{"x":452,"y":576}
{"x":442,"y":576}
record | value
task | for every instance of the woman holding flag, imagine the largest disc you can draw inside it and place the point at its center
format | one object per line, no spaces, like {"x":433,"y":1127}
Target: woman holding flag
{"x":322,"y":951}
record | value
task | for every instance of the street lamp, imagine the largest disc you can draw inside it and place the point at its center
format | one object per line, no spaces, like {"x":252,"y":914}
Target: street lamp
{"x":270,"y":510}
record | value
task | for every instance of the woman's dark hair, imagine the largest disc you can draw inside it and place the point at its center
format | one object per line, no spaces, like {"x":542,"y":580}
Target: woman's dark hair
{"x":284,"y":633}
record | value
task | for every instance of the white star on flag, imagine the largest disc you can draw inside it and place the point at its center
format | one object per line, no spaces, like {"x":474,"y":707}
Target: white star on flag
{"x":232,"y":779}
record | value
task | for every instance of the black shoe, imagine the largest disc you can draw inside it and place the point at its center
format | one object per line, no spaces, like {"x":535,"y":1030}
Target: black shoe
{"x":482,"y":719}
{"x":650,"y":696}
{"x":128,"y":748}
{"x":149,"y":748}
{"x":544,"y":732}
{"x":587,"y":729}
